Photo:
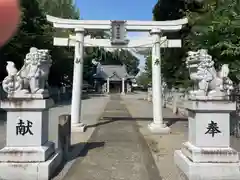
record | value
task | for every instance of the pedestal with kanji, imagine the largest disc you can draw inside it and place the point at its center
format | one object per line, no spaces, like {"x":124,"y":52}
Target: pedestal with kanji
{"x":28,"y":154}
{"x":207,"y":155}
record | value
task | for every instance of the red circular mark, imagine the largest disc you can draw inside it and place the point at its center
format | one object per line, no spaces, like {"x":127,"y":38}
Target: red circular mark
{"x":9,"y":19}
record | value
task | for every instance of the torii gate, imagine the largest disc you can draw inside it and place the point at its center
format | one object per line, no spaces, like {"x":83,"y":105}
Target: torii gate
{"x":119,"y":29}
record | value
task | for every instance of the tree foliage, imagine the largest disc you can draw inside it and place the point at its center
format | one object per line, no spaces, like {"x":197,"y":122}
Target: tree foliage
{"x":213,"y":24}
{"x":62,"y":56}
{"x":143,"y":79}
{"x":218,"y":30}
{"x":34,"y":30}
{"x":173,"y":59}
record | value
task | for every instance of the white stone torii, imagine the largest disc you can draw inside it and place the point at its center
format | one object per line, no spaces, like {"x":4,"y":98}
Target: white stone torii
{"x":156,"y":41}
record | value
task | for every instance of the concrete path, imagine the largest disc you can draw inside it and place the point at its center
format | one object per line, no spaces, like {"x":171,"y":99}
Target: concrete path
{"x":161,"y":146}
{"x":92,"y":109}
{"x":116,"y":149}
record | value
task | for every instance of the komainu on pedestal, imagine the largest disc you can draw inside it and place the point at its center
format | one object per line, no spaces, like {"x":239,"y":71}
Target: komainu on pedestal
{"x":209,"y":83}
{"x":31,"y":79}
{"x":28,"y":154}
{"x":207,"y":154}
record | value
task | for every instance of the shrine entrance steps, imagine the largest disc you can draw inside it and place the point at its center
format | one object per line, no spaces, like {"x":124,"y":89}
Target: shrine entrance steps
{"x":116,"y":149}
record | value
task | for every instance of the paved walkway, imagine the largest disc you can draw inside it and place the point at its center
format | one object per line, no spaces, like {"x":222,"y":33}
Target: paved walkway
{"x":116,"y":149}
{"x":161,"y":146}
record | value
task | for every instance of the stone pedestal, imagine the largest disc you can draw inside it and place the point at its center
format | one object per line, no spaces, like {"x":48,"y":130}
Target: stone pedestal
{"x":207,"y":154}
{"x":28,"y":153}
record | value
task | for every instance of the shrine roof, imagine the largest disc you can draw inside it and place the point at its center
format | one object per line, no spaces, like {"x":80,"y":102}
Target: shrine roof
{"x":114,"y":72}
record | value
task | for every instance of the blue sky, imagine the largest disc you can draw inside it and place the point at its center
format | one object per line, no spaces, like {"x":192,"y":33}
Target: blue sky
{"x":117,"y":10}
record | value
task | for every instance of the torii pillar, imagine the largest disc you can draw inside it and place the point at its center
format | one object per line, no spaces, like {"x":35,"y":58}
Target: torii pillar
{"x":76,"y":107}
{"x":157,"y":126}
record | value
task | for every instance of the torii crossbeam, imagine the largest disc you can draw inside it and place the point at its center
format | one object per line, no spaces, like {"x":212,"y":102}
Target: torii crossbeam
{"x":139,"y":43}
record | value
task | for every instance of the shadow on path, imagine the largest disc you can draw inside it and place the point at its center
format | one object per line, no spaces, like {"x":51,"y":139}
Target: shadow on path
{"x":87,"y":147}
{"x":76,"y":151}
{"x":105,"y":120}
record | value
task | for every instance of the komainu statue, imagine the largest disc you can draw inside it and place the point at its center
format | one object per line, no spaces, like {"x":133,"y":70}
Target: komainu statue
{"x":32,"y":77}
{"x":210,"y":83}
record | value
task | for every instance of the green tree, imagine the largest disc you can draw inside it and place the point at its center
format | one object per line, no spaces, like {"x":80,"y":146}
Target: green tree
{"x":173,"y":59}
{"x":131,"y":62}
{"x":218,"y":30}
{"x":148,"y":67}
{"x":64,"y":8}
{"x":213,"y":25}
{"x":143,"y":79}
{"x":62,"y":56}
{"x":32,"y":32}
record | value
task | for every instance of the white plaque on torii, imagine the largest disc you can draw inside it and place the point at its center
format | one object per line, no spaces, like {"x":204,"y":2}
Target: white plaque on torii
{"x":118,"y":32}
